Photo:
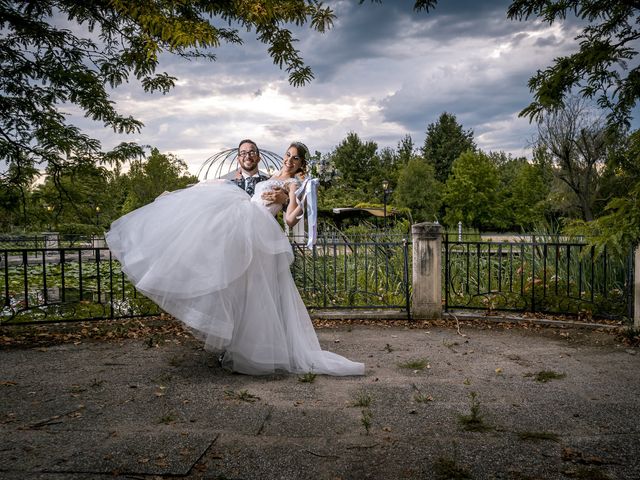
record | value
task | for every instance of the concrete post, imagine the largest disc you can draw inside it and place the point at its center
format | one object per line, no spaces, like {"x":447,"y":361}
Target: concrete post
{"x":427,"y":271}
{"x":636,"y":289}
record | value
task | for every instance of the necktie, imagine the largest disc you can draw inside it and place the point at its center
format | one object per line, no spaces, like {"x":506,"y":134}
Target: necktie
{"x":250,"y":185}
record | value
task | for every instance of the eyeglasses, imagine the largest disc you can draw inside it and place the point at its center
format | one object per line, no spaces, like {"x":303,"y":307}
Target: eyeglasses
{"x":251,"y":153}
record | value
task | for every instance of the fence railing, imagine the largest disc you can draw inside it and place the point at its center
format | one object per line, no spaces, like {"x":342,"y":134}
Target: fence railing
{"x":367,"y":272}
{"x":86,"y":283}
{"x":65,"y":284}
{"x":361,"y":273}
{"x":50,"y":240}
{"x":566,"y":278}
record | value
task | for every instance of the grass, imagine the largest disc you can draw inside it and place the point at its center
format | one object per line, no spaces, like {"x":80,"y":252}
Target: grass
{"x":365,"y":420}
{"x":242,"y":395}
{"x":415,"y":364}
{"x":363,"y":399}
{"x":545,"y":376}
{"x":421,"y":397}
{"x":631,"y":336}
{"x":308,"y":377}
{"x":167,"y":419}
{"x":474,"y":422}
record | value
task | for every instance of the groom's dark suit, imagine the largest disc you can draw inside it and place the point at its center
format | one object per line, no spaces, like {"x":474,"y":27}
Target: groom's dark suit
{"x":248,"y":184}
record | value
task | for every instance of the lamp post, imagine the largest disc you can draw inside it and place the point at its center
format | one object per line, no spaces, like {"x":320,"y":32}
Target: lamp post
{"x":385,"y":193}
{"x":97,"y":215}
{"x":49,"y":211}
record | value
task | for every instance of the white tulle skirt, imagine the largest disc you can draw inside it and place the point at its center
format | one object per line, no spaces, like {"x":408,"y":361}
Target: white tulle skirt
{"x":220,"y":263}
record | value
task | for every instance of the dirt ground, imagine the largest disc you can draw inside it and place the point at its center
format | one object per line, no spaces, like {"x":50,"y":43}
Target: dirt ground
{"x":461,"y":398}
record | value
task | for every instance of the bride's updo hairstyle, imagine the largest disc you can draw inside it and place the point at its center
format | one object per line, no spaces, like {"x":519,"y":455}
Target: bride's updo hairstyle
{"x":303,"y":153}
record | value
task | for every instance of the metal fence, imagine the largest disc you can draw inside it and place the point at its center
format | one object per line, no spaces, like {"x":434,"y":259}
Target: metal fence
{"x":65,"y":284}
{"x":548,"y":277}
{"x":365,"y":272}
{"x":49,"y":240}
{"x":85,"y":283}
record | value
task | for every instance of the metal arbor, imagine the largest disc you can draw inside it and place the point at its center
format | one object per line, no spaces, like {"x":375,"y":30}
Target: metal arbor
{"x":224,"y":164}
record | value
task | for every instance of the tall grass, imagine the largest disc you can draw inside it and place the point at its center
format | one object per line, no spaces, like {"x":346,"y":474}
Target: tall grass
{"x":536,"y":276}
{"x":354,"y":269}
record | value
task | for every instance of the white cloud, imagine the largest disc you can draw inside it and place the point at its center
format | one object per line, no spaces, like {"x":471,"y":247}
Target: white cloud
{"x":383,"y":72}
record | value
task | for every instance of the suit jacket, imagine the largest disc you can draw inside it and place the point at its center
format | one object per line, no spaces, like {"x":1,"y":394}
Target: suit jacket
{"x":241,"y":182}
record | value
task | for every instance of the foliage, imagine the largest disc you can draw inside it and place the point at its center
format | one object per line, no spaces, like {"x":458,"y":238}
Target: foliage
{"x":526,"y":188}
{"x":15,"y":186}
{"x":405,"y":150}
{"x":545,"y":376}
{"x":419,"y":190}
{"x":352,"y":268}
{"x":618,"y":228}
{"x":553,"y":276}
{"x":357,"y":161}
{"x":64,"y":289}
{"x":445,"y":141}
{"x":474,"y":421}
{"x":579,"y":145}
{"x":149,"y":178}
{"x":69,"y":53}
{"x":363,"y":399}
{"x":600,"y":68}
{"x":308,"y":377}
{"x":78,"y":196}
{"x":415,"y":364}
{"x":472,"y":193}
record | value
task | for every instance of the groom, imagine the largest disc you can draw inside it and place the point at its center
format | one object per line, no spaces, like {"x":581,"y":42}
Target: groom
{"x":248,"y":173}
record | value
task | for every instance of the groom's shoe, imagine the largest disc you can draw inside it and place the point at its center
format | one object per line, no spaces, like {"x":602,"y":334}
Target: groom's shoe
{"x":221,"y":358}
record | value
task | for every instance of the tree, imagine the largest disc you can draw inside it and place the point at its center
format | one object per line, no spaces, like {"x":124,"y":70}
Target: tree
{"x":357,"y":161}
{"x":526,"y":187}
{"x":618,"y":228}
{"x":149,"y":178}
{"x":472,"y":193}
{"x":75,"y":201}
{"x":15,"y":188}
{"x":579,"y":145}
{"x":419,"y":191}
{"x":405,"y":151}
{"x":600,"y":68}
{"x":444,"y":142}
{"x":47,"y":67}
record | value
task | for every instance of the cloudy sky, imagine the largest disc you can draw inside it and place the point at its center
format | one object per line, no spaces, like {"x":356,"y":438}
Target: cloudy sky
{"x":383,"y":71}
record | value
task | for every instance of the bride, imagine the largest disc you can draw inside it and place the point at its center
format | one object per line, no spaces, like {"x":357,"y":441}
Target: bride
{"x":217,"y":260}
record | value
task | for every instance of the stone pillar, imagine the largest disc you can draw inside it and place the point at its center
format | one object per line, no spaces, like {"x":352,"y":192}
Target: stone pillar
{"x":636,"y":288}
{"x":427,"y":271}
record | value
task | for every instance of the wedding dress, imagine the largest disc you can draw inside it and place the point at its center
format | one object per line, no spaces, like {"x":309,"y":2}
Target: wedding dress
{"x":218,"y":260}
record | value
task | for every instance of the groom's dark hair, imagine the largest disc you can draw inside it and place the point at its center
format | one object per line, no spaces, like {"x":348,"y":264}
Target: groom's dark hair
{"x":246,"y":140}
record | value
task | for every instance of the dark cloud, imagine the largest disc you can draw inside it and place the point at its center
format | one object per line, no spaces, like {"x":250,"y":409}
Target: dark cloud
{"x":368,"y":31}
{"x":383,"y":71}
{"x":549,"y":41}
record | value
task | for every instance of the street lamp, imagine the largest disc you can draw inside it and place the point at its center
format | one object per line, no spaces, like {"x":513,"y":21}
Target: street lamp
{"x":385,"y":193}
{"x":97,"y":215}
{"x":49,"y":210}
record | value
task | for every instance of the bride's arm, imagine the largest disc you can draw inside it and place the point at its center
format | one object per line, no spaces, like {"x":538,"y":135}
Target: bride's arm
{"x":294,"y":210}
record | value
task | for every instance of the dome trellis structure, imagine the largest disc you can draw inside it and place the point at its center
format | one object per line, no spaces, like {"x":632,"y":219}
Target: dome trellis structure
{"x":224,"y":164}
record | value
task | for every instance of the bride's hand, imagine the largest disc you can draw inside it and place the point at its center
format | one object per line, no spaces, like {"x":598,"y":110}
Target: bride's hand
{"x":277,"y":195}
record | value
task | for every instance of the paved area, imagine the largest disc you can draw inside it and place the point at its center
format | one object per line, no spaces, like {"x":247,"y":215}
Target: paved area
{"x":480,"y":401}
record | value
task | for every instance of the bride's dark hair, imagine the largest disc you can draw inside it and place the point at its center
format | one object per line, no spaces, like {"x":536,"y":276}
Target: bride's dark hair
{"x":303,"y":153}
